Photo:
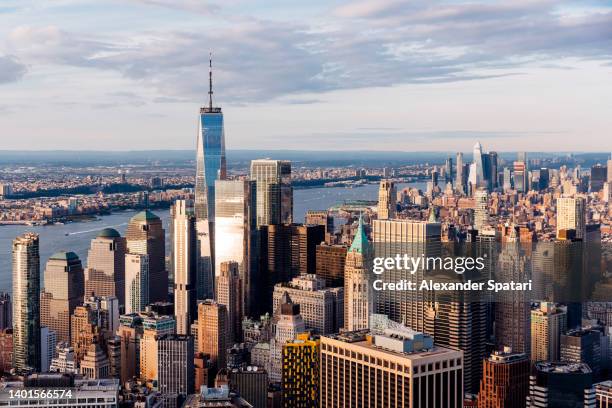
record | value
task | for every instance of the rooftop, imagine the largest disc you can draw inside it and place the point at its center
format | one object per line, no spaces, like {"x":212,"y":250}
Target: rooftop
{"x":64,"y":256}
{"x":145,"y":215}
{"x":109,"y":233}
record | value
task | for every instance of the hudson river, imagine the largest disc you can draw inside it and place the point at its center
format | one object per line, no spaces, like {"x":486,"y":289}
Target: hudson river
{"x":77,"y":236}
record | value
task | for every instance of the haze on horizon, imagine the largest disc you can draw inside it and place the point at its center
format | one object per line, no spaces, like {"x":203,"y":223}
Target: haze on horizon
{"x":387,"y":75}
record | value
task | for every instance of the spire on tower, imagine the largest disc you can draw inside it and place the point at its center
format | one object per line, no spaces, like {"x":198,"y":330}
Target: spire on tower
{"x":210,"y":91}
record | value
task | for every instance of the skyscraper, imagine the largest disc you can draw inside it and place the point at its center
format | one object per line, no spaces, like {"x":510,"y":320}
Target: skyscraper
{"x":26,"y":303}
{"x":212,"y":332}
{"x":571,"y":215}
{"x":554,"y":384}
{"x":331,"y":261}
{"x":416,"y":239}
{"x":185,"y":254}
{"x":459,"y":184}
{"x":274,"y":191}
{"x":323,"y":308}
{"x":289,"y":325}
{"x":387,"y":200}
{"x":358,"y":297}
{"x":175,"y":365}
{"x":236,"y":234}
{"x":105,"y":273}
{"x":477,"y":170}
{"x":63,"y":292}
{"x":300,"y":376}
{"x":481,"y":212}
{"x":547,"y":324}
{"x":145,"y":235}
{"x":583,"y":346}
{"x":230,"y":293}
{"x":505,"y":380}
{"x":395,"y":368}
{"x":153,"y":326}
{"x":6,"y":311}
{"x":136,"y":282}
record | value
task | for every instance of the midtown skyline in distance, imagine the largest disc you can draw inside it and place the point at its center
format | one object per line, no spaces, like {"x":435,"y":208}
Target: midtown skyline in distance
{"x":530,"y":75}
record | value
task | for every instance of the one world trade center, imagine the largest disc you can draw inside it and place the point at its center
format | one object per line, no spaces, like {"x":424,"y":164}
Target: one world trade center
{"x":210,"y":166}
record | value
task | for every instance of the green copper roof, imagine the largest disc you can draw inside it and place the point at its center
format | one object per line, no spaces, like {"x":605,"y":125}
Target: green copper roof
{"x":64,"y":256}
{"x":360,"y":242}
{"x":145,"y":215}
{"x":109,"y":233}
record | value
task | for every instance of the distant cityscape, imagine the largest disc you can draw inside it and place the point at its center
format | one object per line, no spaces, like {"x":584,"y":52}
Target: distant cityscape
{"x":245,"y":307}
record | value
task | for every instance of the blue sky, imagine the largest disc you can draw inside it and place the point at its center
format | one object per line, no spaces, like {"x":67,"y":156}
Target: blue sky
{"x":374,"y":74}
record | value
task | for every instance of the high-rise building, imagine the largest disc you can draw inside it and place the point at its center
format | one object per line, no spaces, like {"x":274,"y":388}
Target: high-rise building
{"x":459,"y":182}
{"x":251,"y":383}
{"x":358,"y":296}
{"x":331,"y":261}
{"x":274,"y":191}
{"x":95,"y":364}
{"x":476,"y":177}
{"x":136,"y":282}
{"x":291,"y":250}
{"x":387,"y":200}
{"x":105,"y":272}
{"x":145,"y":235}
{"x":175,"y":365}
{"x":26,"y":303}
{"x":520,"y":176}
{"x":63,"y":292}
{"x":416,"y":239}
{"x":65,"y":362}
{"x":130,"y":333}
{"x":315,"y":217}
{"x":212,"y":332}
{"x":554,"y":384}
{"x":153,"y":326}
{"x":547,"y":324}
{"x":230,"y":293}
{"x":394,"y":368}
{"x":322,"y":308}
{"x":6,"y":311}
{"x":210,"y":157}
{"x":603,"y":394}
{"x":609,"y":171}
{"x":599,"y":175}
{"x":571,"y":215}
{"x":185,"y":262}
{"x":6,"y":350}
{"x":583,"y":346}
{"x":300,"y":372}
{"x":481,"y":211}
{"x":505,"y":380}
{"x":236,"y":234}
{"x":289,"y":325}
{"x":492,"y":171}
{"x":48,"y":341}
{"x":85,"y":330}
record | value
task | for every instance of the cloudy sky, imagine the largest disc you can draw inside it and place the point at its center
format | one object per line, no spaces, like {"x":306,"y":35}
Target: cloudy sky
{"x":307,"y":74}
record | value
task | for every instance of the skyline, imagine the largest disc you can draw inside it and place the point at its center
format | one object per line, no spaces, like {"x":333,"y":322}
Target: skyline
{"x":415,"y":77}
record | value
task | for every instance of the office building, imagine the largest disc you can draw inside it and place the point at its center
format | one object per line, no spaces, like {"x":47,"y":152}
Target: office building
{"x":331,"y":264}
{"x":65,"y":362}
{"x":175,"y":365}
{"x":291,"y":251}
{"x":571,"y":215}
{"x":130,"y":333}
{"x":416,"y":239}
{"x":481,"y":211}
{"x":105,"y":272}
{"x":583,"y":346}
{"x":554,"y":384}
{"x":95,"y":364}
{"x":153,"y":326}
{"x":505,"y":380}
{"x":547,"y":324}
{"x":321,"y":308}
{"x":323,"y":217}
{"x":274,"y":191}
{"x":236,"y":234}
{"x":63,"y":292}
{"x":391,"y":369}
{"x":84,"y":393}
{"x":603,"y":393}
{"x":599,"y":176}
{"x":85,"y":330}
{"x":26,"y":303}
{"x":212,"y":332}
{"x":145,"y":235}
{"x":459,"y":176}
{"x":136,"y":282}
{"x":6,"y":311}
{"x":358,"y":296}
{"x":48,"y":341}
{"x":230,"y":293}
{"x":288,"y":326}
{"x":387,"y":200}
{"x":251,"y":383}
{"x":6,"y":350}
{"x":300,"y":372}
{"x":185,"y":263}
